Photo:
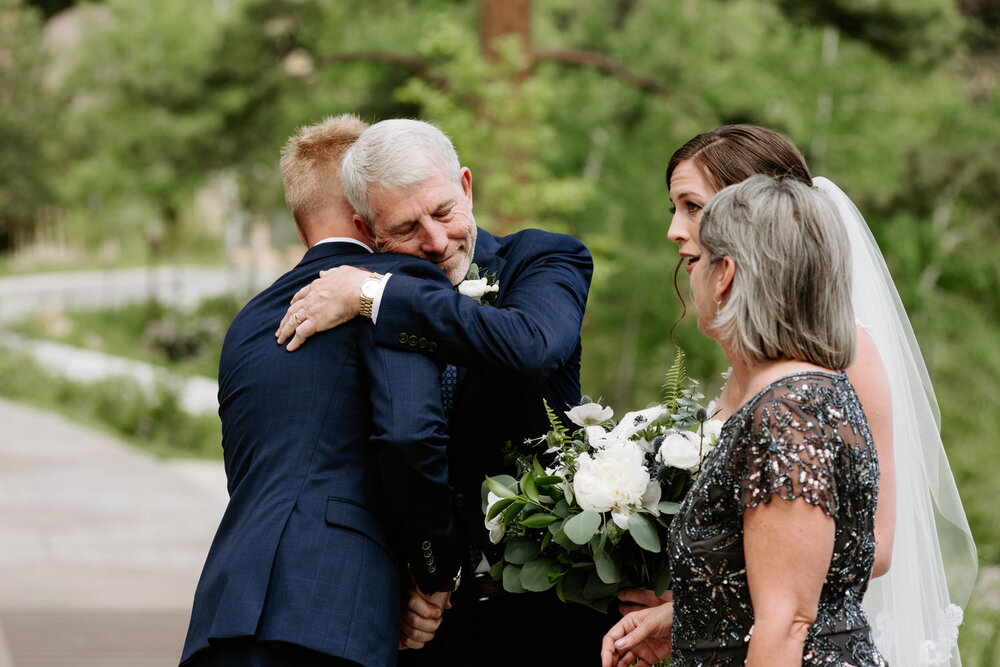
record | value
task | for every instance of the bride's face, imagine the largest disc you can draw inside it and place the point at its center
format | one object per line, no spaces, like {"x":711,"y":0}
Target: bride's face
{"x":689,"y":193}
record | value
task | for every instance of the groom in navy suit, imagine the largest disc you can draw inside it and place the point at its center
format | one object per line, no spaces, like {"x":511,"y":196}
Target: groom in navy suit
{"x":412,"y":196}
{"x":335,"y":459}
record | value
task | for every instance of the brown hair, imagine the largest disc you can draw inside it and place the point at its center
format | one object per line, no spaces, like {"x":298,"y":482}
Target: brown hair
{"x":733,"y":153}
{"x":310,"y":165}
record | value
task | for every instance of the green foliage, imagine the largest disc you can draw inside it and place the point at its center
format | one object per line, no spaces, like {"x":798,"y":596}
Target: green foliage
{"x":27,"y":110}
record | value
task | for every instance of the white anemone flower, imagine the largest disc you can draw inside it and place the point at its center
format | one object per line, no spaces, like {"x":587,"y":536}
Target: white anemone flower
{"x":589,"y":414}
{"x":633,"y":422}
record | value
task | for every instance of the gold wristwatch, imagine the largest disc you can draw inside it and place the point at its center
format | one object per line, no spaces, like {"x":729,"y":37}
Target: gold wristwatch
{"x":369,"y":289}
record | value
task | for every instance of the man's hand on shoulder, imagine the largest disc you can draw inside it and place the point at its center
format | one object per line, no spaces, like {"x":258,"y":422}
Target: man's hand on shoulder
{"x":327,"y":302}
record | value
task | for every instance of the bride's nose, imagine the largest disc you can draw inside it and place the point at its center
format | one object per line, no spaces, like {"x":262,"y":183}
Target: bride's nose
{"x":677,"y":231}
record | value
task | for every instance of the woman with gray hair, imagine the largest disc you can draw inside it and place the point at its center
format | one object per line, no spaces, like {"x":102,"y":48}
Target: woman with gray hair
{"x":772,"y":549}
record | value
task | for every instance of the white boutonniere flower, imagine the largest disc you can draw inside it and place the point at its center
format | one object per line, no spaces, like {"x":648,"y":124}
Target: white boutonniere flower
{"x":483,"y":288}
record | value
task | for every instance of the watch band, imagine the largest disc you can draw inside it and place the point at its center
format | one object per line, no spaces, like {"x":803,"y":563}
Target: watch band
{"x":368,"y":300}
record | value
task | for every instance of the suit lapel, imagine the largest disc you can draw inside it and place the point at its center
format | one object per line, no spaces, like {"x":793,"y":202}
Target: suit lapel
{"x":487,"y":257}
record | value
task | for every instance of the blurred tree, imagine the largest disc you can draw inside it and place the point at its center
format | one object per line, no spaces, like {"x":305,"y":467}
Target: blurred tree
{"x":27,"y":122}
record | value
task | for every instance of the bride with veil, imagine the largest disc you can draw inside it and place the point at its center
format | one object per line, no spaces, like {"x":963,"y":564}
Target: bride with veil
{"x":926,"y":561}
{"x":916,"y":607}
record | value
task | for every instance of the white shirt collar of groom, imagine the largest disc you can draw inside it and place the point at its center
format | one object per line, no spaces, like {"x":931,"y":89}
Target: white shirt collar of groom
{"x":343,"y":239}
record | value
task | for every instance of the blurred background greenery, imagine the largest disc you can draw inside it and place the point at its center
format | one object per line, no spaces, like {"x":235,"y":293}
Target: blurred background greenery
{"x":138,"y":134}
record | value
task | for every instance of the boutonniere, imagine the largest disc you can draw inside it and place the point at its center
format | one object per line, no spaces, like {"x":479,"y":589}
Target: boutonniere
{"x":481,"y":287}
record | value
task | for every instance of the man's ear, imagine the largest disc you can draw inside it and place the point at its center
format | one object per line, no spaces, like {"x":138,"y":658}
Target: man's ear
{"x":465,"y":176}
{"x":724,"y":278}
{"x":364,"y":229}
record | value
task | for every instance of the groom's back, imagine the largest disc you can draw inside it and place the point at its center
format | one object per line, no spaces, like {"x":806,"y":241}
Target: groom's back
{"x":302,"y":554}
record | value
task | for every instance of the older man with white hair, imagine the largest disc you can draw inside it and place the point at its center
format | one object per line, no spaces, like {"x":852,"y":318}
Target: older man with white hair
{"x":413,"y":196}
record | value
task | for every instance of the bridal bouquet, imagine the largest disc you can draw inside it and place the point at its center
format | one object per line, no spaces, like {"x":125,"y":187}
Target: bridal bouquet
{"x":594,"y":520}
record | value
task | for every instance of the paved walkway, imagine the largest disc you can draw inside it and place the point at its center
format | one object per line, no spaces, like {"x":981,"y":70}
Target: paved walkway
{"x":100,"y":545}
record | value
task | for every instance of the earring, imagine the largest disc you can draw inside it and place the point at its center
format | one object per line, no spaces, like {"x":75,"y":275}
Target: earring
{"x":718,"y":306}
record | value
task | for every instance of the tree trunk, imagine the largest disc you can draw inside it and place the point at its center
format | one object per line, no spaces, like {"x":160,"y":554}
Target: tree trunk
{"x":500,"y":18}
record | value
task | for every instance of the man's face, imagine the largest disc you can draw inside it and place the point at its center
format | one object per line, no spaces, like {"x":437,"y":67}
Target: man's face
{"x":432,"y":221}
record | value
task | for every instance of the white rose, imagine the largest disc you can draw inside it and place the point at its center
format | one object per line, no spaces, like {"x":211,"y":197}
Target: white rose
{"x":615,"y":479}
{"x":589,"y":414}
{"x":476,"y":288}
{"x":494,"y":525}
{"x":633,"y":422}
{"x":681,"y":450}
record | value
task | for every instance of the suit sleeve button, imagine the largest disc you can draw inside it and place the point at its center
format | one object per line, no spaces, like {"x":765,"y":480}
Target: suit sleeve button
{"x":432,"y":346}
{"x":412,"y":340}
{"x":402,"y":337}
{"x":423,"y":343}
{"x":426,"y":545}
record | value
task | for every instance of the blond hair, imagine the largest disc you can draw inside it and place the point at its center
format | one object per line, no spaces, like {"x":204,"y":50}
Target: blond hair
{"x":310,"y":165}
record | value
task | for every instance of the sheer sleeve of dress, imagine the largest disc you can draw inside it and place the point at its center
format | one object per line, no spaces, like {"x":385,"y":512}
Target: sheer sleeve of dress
{"x":916,"y":607}
{"x":789,"y":455}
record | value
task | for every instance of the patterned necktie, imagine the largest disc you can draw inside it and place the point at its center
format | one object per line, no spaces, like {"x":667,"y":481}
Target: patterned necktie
{"x":449,"y":382}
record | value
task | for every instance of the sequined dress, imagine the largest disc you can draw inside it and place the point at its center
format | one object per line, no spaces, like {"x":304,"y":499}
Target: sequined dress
{"x":803,"y":436}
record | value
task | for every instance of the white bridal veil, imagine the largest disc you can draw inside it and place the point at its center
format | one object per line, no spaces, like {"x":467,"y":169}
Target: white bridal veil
{"x":915,"y":609}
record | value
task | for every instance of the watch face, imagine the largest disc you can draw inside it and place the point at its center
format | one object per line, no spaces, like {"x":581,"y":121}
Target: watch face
{"x":369,"y":288}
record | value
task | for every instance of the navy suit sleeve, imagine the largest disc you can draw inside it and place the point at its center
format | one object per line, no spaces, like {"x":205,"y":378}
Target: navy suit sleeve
{"x":409,"y":433}
{"x":533,"y":330}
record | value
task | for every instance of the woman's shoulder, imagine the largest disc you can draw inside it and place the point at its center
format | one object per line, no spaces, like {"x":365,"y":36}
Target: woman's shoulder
{"x":796,"y":384}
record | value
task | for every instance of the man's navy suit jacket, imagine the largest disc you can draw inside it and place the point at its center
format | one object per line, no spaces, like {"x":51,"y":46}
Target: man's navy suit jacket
{"x":324,"y":448}
{"x":512,"y":355}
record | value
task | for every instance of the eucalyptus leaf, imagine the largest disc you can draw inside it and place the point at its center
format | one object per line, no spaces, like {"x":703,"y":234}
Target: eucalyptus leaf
{"x":556,"y":526}
{"x":572,"y":586}
{"x":512,"y":579}
{"x":560,"y":538}
{"x":607,"y":568}
{"x":582,"y":527}
{"x":496,"y":570}
{"x":535,"y":574}
{"x":668,"y":507}
{"x":520,"y":552}
{"x":561,"y":508}
{"x":643,"y":531}
{"x":594,"y":588}
{"x":662,"y":579}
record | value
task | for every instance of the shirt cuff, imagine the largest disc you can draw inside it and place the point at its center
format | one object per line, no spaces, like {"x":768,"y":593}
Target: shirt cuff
{"x":377,"y":299}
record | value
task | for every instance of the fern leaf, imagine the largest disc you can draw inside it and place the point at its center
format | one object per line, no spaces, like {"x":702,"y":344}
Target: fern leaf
{"x":673,"y":382}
